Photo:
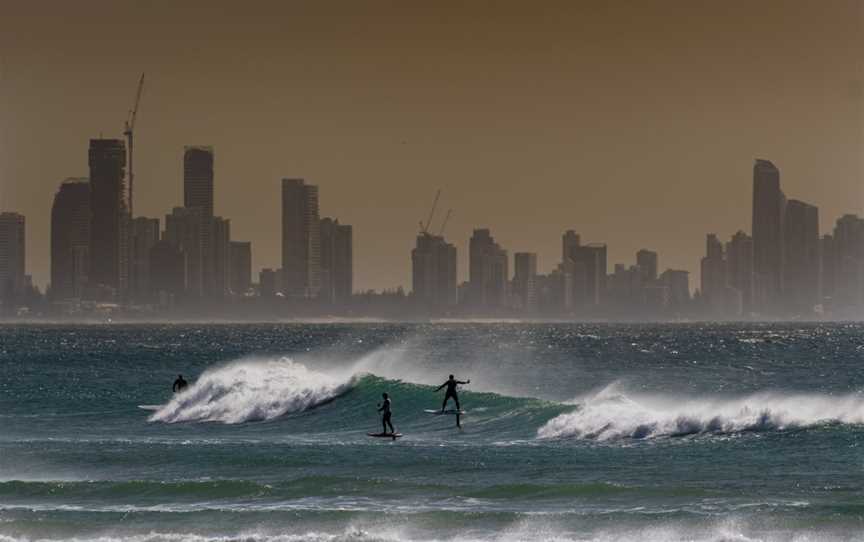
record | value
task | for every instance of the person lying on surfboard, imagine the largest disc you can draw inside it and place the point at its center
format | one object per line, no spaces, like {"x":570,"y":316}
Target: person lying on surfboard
{"x":451,"y":385}
{"x":384,"y":408}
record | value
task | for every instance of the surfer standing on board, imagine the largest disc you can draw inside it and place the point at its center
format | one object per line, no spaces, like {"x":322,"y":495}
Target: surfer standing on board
{"x":451,"y":386}
{"x":384,"y":408}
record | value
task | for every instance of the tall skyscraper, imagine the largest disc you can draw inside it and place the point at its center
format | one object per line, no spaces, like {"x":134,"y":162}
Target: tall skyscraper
{"x":198,"y":179}
{"x":714,"y":275}
{"x":220,"y":258}
{"x":848,"y":265}
{"x":525,"y":280}
{"x":678,"y":283}
{"x":108,"y":216}
{"x":144,"y":236}
{"x":337,"y":261}
{"x":488,"y":272}
{"x":739,"y":269}
{"x":769,"y":213}
{"x":241,"y":267}
{"x":70,"y":239}
{"x":12,"y":256}
{"x":647,"y":261}
{"x":167,"y":272}
{"x":301,"y":239}
{"x":801,"y":257}
{"x":433,"y":273}
{"x":183,"y":231}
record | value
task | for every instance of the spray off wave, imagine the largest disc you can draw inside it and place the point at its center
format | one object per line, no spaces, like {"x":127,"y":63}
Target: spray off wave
{"x":245,"y":391}
{"x":611,"y":414}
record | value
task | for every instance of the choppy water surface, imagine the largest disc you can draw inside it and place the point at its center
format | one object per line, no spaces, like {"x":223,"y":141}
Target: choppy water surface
{"x":573,"y":432}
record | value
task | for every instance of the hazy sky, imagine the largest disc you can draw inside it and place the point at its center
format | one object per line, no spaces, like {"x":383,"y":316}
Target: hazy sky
{"x":633,"y":122}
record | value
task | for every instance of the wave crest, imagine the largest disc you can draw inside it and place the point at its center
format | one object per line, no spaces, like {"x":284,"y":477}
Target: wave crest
{"x":614,"y":415}
{"x":247,"y":390}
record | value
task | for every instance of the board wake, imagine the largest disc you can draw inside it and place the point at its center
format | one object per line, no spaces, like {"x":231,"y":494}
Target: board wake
{"x":151,"y":408}
{"x":450,"y":411}
{"x":394,"y":436}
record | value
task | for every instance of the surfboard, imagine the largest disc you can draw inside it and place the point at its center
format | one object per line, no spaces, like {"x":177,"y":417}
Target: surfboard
{"x":150,"y":407}
{"x":448,"y":411}
{"x":394,"y":436}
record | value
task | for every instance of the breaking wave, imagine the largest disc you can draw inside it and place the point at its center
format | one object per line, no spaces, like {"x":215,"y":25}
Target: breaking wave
{"x":245,"y":391}
{"x":611,"y":414}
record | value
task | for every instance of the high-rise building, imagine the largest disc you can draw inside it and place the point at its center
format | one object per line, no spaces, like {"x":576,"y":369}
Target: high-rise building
{"x":198,"y":192}
{"x":301,"y":239}
{"x":12,"y":255}
{"x":241,"y":267}
{"x":678,"y":283}
{"x":769,"y":213}
{"x":714,"y":275}
{"x":198,"y":179}
{"x":433,"y":273}
{"x":848,"y":264}
{"x":739,"y":269}
{"x":108,"y":217}
{"x":570,"y":241}
{"x":488,"y":272}
{"x":337,"y":261}
{"x":588,"y":271}
{"x":525,"y":280}
{"x":167,"y":275}
{"x":220,"y":258}
{"x":801,"y":257}
{"x":647,"y":261}
{"x":70,"y":239}
{"x":827,"y":269}
{"x":269,"y":282}
{"x":183,"y":231}
{"x":144,"y":236}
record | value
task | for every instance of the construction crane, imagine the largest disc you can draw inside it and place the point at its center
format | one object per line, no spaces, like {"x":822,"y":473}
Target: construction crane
{"x":424,"y":228}
{"x":444,"y":224}
{"x":129,"y":132}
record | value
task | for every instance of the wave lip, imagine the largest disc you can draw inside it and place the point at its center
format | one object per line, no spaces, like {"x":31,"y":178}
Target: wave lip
{"x":251,"y":390}
{"x":613,"y":415}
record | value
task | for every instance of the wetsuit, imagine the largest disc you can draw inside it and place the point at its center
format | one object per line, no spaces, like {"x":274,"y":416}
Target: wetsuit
{"x":451,"y":392}
{"x":385,"y":416}
{"x":179,"y":384}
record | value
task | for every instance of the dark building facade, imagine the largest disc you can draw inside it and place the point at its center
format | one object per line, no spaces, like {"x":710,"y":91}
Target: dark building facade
{"x":301,"y":239}
{"x":108,"y":217}
{"x":70,"y":239}
{"x":241,"y":267}
{"x":769,"y":213}
{"x":488,"y":272}
{"x":801,"y":258}
{"x":337,"y":262}
{"x":433,"y":273}
{"x":12,"y":256}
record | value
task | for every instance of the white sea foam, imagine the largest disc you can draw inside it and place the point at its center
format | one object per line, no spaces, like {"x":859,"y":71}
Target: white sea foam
{"x":252,"y":390}
{"x":612,"y":414}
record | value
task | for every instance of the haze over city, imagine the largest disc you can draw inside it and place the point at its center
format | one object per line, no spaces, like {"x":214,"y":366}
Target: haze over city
{"x":635,"y":125}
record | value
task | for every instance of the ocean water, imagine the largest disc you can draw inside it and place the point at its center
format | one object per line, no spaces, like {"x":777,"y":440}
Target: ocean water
{"x":572,"y":432}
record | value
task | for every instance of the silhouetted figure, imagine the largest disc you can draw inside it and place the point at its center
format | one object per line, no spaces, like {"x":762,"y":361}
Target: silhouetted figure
{"x":451,"y":386}
{"x":384,"y":408}
{"x":179,"y":384}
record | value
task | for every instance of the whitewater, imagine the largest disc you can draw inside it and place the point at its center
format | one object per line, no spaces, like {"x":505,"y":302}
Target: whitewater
{"x":573,"y":432}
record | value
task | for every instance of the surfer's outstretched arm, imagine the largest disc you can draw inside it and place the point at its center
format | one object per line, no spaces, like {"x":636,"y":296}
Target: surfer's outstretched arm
{"x":442,"y":386}
{"x":463,"y":383}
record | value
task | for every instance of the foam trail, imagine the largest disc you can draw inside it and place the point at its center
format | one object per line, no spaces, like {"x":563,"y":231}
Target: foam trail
{"x":611,"y":414}
{"x":252,"y":390}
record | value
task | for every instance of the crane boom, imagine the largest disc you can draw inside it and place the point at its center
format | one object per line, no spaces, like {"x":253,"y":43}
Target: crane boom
{"x":444,"y":224}
{"x":129,"y":132}
{"x":425,"y":228}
